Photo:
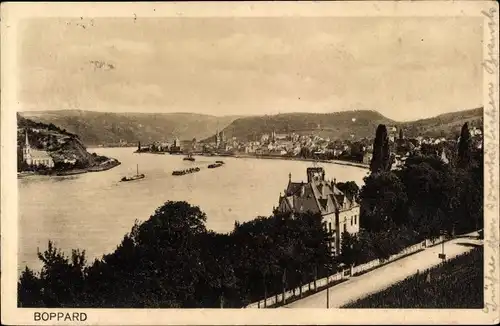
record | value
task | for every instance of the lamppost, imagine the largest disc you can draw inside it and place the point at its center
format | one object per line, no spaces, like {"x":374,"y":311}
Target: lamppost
{"x":442,"y":255}
{"x":327,"y":292}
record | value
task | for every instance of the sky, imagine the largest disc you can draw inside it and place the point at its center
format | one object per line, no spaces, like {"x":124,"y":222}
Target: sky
{"x":405,"y":68}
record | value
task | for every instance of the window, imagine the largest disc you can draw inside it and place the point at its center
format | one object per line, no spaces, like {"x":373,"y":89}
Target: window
{"x":330,"y":226}
{"x":355,"y":219}
{"x":345,"y":227}
{"x":351,"y":220}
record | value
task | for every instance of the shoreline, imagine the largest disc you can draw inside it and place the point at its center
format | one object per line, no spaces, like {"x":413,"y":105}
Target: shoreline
{"x":339,"y":162}
{"x":91,"y":169}
{"x":269,"y":157}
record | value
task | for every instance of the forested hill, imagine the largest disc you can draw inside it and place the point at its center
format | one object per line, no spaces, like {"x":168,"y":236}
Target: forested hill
{"x":96,"y":128}
{"x":444,"y":124}
{"x":334,"y":125}
{"x":341,"y":125}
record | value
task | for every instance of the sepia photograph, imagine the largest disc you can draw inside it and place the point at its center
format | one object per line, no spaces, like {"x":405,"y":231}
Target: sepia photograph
{"x":250,"y":157}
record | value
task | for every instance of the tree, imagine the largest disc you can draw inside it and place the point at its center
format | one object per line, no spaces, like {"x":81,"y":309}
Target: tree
{"x":61,"y":278}
{"x":433,"y":189}
{"x":29,"y":289}
{"x":464,"y":147}
{"x":169,"y":242}
{"x":305,"y":152}
{"x":383,"y":201}
{"x":357,"y":151}
{"x":381,"y":151}
{"x":351,"y":250}
{"x":349,"y":188}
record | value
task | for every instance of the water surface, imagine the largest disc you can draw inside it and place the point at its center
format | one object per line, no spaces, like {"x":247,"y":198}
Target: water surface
{"x":93,"y":211}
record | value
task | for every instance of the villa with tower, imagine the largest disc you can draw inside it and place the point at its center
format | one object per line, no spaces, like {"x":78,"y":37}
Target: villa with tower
{"x":340,"y":211}
{"x":36,"y":157}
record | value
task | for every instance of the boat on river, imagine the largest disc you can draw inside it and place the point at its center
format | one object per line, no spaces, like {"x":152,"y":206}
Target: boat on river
{"x":187,"y":171}
{"x":216,"y":165}
{"x":189,"y":158}
{"x":220,"y":162}
{"x":135,"y":177}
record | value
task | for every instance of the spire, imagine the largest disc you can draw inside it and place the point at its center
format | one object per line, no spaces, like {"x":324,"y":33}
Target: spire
{"x":27,"y":141}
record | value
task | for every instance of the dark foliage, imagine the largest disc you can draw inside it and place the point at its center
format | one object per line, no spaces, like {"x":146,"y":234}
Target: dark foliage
{"x":425,"y":199}
{"x":171,"y":260}
{"x":381,"y":151}
{"x":464,"y":147}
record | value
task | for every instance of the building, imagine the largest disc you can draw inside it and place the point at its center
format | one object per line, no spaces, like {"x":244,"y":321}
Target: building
{"x":392,"y":134}
{"x":220,"y":139}
{"x":367,"y":158}
{"x":276,"y":137}
{"x":36,"y":157}
{"x":444,"y":157}
{"x":340,"y":211}
{"x":176,"y":146}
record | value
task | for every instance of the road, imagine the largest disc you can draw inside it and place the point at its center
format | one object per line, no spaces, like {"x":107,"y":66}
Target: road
{"x":358,"y":287}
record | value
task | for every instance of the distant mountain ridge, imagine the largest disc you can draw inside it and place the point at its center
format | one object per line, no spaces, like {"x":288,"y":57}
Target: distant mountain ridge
{"x":341,"y":125}
{"x":338,"y":124}
{"x":96,"y":128}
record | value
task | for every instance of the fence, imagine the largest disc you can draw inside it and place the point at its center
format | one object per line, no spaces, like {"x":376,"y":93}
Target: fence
{"x":310,"y":288}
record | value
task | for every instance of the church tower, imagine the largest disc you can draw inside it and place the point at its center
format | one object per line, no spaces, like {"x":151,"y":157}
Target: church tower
{"x":27,"y":150}
{"x":217,"y":138}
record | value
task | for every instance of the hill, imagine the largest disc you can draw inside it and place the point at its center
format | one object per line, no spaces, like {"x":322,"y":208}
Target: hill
{"x":334,"y":125}
{"x":444,"y":124}
{"x":340,"y":125}
{"x":61,"y":145}
{"x":96,"y":128}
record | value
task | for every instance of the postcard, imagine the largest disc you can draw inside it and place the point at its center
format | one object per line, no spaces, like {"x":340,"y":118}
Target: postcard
{"x":250,"y":163}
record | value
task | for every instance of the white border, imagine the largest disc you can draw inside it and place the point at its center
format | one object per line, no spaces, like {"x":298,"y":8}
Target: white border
{"x":12,"y":13}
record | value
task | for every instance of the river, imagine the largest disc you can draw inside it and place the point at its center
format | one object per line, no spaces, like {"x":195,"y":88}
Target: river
{"x":93,"y":211}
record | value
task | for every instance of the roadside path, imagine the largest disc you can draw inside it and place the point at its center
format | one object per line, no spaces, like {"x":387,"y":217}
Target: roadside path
{"x":358,"y":287}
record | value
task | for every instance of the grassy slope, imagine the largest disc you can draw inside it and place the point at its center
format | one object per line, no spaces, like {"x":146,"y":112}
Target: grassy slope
{"x":455,"y":284}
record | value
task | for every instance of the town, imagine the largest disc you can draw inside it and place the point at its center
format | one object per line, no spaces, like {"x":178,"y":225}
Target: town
{"x":313,"y":147}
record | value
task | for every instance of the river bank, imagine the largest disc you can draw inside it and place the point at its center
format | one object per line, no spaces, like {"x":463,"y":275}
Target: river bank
{"x":111,"y":163}
{"x":269,"y":157}
{"x":340,"y":162}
